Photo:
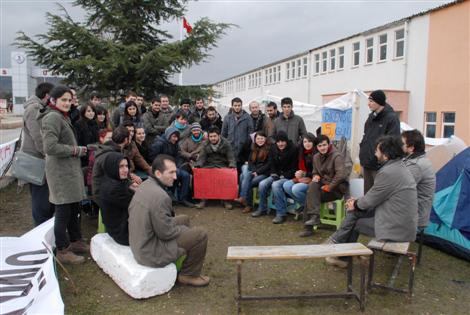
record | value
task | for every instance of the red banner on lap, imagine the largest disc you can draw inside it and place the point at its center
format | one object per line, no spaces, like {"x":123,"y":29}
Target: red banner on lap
{"x":215,"y":183}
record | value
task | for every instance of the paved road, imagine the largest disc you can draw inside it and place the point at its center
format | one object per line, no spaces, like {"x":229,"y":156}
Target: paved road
{"x":7,"y":135}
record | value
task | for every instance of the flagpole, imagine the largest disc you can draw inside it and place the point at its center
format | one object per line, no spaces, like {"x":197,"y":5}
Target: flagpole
{"x":181,"y":39}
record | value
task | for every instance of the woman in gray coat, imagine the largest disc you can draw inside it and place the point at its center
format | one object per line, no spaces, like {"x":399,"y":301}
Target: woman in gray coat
{"x":64,"y":174}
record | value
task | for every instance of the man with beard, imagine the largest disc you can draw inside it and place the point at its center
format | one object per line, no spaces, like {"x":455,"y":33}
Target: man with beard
{"x":211,"y":119}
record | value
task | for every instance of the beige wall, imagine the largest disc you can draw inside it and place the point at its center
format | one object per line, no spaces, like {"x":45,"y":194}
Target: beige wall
{"x":448,"y":70}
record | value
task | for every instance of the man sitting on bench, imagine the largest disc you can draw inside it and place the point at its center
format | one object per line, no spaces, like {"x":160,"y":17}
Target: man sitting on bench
{"x":156,"y":236}
{"x":388,"y":210}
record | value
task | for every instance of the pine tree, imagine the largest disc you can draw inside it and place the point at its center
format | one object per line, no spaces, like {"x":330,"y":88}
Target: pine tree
{"x":120,"y":45}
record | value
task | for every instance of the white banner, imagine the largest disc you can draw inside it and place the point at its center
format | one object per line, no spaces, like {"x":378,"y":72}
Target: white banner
{"x":6,"y":154}
{"x":28,"y":284}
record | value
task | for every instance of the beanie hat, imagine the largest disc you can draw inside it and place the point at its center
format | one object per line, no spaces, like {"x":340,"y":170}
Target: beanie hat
{"x":378,"y":96}
{"x":196,"y":126}
{"x":281,"y":136}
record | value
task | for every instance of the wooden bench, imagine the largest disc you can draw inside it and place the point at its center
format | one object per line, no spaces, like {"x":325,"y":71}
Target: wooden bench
{"x":350,"y":250}
{"x":402,"y":250}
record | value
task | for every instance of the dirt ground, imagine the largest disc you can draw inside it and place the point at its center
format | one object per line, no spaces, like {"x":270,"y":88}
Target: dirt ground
{"x":442,"y":282}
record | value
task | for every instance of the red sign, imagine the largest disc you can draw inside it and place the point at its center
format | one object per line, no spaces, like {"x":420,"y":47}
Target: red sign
{"x":215,"y":183}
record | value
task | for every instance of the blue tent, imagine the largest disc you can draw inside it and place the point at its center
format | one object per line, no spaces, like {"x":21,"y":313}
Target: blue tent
{"x":449,"y":226}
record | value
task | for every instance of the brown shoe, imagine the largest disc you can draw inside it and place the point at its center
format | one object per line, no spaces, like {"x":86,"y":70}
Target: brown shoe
{"x":247,"y":209}
{"x":335,"y":261}
{"x":66,"y":256}
{"x":195,"y":281}
{"x":79,"y":247}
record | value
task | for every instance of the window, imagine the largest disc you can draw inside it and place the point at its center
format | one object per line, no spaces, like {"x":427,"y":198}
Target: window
{"x":356,"y":53}
{"x":259,"y":78}
{"x":317,"y":63}
{"x":448,"y":124}
{"x":305,"y":63}
{"x":382,"y":47}
{"x":270,"y":75}
{"x":332,"y":59}
{"x":292,"y":70}
{"x":278,"y":73}
{"x":369,"y":50}
{"x":399,"y":43}
{"x":299,"y":68}
{"x":287,"y":71}
{"x":324,"y":60}
{"x":340,"y":57}
{"x":266,"y":77}
{"x":430,"y":124}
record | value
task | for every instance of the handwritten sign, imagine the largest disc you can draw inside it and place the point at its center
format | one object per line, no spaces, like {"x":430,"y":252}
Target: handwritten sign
{"x":215,"y":183}
{"x":329,"y":129}
{"x":342,"y":120}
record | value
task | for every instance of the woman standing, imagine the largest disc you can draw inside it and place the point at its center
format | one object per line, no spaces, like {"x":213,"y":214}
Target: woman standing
{"x":86,"y":129}
{"x":64,"y":175}
{"x":131,"y":113}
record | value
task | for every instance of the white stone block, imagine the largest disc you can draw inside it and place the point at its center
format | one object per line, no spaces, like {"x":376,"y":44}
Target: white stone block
{"x":136,"y":280}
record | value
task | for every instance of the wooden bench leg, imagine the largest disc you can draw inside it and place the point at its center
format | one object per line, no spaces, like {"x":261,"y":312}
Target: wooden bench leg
{"x":239,"y":285}
{"x":363,"y":291}
{"x":349,"y":275}
{"x":371,"y":271}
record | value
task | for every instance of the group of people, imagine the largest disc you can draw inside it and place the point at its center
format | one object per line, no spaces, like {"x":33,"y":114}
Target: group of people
{"x":140,"y":169}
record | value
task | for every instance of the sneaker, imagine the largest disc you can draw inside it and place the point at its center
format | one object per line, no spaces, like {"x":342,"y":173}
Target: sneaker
{"x":258,"y":213}
{"x":79,"y":247}
{"x":328,"y":241}
{"x":187,"y":204}
{"x":228,"y":205}
{"x":279,"y":219}
{"x":307,"y":232}
{"x":201,"y":204}
{"x":312,"y":222}
{"x":247,"y":209}
{"x":335,"y":261}
{"x":195,"y":281}
{"x":66,"y":256}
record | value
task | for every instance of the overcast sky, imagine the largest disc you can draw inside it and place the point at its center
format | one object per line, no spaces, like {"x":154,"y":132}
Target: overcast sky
{"x":268,"y":30}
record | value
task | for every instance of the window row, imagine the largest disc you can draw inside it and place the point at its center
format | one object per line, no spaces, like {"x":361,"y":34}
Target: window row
{"x":297,"y":69}
{"x":254,"y":80}
{"x":272,"y":75}
{"x":447,"y":123}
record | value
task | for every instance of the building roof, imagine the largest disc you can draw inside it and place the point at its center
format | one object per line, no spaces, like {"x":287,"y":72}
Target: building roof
{"x":369,"y":31}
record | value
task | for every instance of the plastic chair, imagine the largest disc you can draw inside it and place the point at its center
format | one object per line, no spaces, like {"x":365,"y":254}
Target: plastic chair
{"x":101,"y":227}
{"x":179,"y":262}
{"x":255,"y":196}
{"x":332,"y":213}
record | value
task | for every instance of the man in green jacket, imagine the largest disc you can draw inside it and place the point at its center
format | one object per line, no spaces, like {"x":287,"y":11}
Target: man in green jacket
{"x":156,"y":236}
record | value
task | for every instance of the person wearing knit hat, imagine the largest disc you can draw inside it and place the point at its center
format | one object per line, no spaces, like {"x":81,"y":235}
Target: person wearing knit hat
{"x":382,"y":121}
{"x":191,"y":147}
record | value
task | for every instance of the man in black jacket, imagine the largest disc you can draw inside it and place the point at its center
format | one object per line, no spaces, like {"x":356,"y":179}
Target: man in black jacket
{"x":382,"y":121}
{"x":283,"y":161}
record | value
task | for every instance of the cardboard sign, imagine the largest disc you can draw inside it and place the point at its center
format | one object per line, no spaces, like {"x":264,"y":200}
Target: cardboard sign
{"x":329,"y":129}
{"x":215,"y":183}
{"x":342,"y":120}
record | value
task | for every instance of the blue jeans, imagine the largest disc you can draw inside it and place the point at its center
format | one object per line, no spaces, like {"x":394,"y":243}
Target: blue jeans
{"x":43,"y":210}
{"x":296,"y":191}
{"x":278,"y":193}
{"x":181,"y":185}
{"x":247,"y":182}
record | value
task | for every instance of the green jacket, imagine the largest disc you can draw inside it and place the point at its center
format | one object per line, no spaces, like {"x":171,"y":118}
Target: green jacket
{"x":63,"y":170}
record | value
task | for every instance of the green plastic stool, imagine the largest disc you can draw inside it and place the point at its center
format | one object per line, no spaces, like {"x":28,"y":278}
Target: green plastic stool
{"x":101,"y":227}
{"x":332,"y":213}
{"x":179,"y":262}
{"x":255,"y":196}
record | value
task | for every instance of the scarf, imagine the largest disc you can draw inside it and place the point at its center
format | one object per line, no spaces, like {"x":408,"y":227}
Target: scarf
{"x":302,"y":165}
{"x":197,"y":140}
{"x":66,"y":114}
{"x":179,"y":126}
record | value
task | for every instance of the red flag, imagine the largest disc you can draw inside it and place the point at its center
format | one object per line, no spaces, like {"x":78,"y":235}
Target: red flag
{"x":187,"y":26}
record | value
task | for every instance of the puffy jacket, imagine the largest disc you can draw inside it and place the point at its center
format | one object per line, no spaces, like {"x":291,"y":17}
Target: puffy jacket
{"x":330,"y":167}
{"x":284,"y":163}
{"x":162,"y":145}
{"x":384,"y":123}
{"x":98,"y":166}
{"x":221,"y":157}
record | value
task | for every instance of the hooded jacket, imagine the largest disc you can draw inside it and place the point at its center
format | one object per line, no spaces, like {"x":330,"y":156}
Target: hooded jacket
{"x":219,"y":158}
{"x":330,"y":167}
{"x":283,"y":163}
{"x":102,"y":152}
{"x":31,"y":141}
{"x":384,"y":123}
{"x":115,"y":198}
{"x":162,"y":145}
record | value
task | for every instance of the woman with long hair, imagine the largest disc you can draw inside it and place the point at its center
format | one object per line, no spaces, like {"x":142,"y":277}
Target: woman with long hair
{"x":254,"y":171}
{"x":132,"y":114}
{"x":142,"y":145}
{"x":64,"y":175}
{"x":86,"y":129}
{"x":102,"y":118}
